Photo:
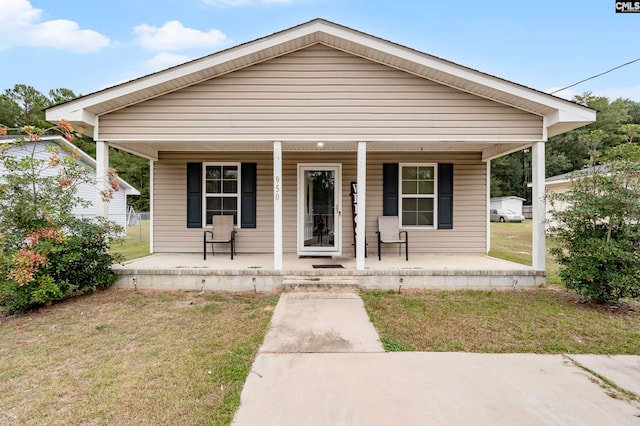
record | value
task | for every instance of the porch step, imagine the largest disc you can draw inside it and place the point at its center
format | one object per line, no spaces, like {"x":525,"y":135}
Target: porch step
{"x":319,"y":283}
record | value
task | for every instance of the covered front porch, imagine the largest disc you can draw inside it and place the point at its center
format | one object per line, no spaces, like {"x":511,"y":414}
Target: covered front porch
{"x":255,"y":272}
{"x":306,"y":137}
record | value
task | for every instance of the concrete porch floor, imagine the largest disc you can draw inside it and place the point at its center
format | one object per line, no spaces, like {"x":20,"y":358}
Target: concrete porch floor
{"x":255,"y":272}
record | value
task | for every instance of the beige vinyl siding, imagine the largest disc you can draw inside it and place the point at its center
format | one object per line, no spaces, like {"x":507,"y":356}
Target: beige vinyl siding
{"x":319,"y":93}
{"x":470,"y":209}
{"x":469,"y":204}
{"x":170,"y":232}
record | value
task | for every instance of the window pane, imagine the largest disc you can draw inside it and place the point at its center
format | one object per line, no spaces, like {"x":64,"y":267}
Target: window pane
{"x":417,"y":211}
{"x":213,"y":172}
{"x":409,"y":218}
{"x":409,"y":204}
{"x":229,"y":204}
{"x":409,"y":187}
{"x":425,"y":173}
{"x":214,"y":203}
{"x":213,"y":187}
{"x":230,"y":172}
{"x":425,"y":218}
{"x":230,"y":187}
{"x":409,"y":172}
{"x":418,"y":180}
{"x":425,"y":204}
{"x":209,"y":217}
{"x":425,"y":187}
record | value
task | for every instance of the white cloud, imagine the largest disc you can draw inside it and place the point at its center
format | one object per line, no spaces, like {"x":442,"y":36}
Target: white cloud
{"x":165,"y":60}
{"x":174,"y":36}
{"x":235,"y":3}
{"x":20,"y":25}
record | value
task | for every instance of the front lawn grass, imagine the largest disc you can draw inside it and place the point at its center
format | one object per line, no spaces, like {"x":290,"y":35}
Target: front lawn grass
{"x":136,"y":243}
{"x":131,"y":358}
{"x":525,"y":321}
{"x":513,"y":241}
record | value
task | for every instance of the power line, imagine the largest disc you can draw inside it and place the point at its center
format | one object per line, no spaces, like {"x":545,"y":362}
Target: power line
{"x":598,"y":75}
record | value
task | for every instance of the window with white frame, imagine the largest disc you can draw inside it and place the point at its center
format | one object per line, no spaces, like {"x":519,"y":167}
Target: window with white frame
{"x":221,"y":190}
{"x":418,"y":195}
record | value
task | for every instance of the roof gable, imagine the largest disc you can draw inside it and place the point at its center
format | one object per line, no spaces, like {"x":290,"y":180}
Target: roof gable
{"x":559,"y":115}
{"x":319,"y":93}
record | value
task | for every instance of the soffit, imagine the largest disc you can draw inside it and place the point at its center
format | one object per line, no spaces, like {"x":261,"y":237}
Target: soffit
{"x":305,"y":146}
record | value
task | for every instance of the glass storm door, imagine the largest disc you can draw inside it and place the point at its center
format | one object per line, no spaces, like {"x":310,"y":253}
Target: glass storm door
{"x":319,"y":210}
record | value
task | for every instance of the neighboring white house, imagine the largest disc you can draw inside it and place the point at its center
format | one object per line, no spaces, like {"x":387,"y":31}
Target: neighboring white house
{"x":117,"y":206}
{"x":512,"y":203}
{"x":562,"y":183}
{"x":556,"y":185}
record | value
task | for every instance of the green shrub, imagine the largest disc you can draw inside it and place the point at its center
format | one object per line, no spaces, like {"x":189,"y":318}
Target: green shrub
{"x":77,"y":262}
{"x":598,"y":229}
{"x":46,"y":253}
{"x":601,"y":270}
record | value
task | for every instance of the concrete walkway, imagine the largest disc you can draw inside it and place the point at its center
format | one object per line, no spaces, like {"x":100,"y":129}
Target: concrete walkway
{"x":321,"y":323}
{"x":322,"y":364}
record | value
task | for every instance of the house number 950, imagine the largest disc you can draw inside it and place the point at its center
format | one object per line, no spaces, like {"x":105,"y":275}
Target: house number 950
{"x":277,"y":188}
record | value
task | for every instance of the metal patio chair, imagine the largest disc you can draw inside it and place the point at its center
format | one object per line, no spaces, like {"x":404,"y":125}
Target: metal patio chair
{"x":221,"y":233}
{"x":389,"y":233}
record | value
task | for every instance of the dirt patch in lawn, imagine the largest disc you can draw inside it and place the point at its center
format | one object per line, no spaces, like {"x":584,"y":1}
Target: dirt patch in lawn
{"x":127,"y":357}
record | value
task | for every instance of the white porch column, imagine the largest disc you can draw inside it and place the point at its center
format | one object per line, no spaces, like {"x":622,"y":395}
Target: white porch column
{"x":488,"y":206}
{"x":277,"y":205}
{"x":539,"y":206}
{"x":102,"y":182}
{"x":151,"y":166}
{"x":361,"y":205}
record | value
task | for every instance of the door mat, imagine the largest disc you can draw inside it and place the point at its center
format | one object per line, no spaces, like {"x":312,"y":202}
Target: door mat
{"x":334,"y":266}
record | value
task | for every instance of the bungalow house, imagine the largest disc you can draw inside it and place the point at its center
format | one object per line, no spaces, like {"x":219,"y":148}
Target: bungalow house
{"x":275,"y":131}
{"x":117,"y":206}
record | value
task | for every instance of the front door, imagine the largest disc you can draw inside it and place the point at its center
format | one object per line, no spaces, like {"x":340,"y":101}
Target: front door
{"x":319,"y":210}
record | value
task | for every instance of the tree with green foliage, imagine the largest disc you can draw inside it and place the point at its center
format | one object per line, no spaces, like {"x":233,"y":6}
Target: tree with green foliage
{"x":46,"y":253}
{"x":135,"y":170}
{"x":631,"y":132}
{"x":569,"y":151}
{"x":61,"y":95}
{"x":597,"y":224}
{"x":25,"y":105}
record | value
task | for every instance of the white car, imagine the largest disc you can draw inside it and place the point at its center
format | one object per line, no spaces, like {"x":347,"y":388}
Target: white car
{"x":505,"y":216}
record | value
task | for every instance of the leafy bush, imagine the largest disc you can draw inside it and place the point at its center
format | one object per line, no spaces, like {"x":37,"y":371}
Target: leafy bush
{"x":59,"y":265}
{"x":46,"y":253}
{"x":598,"y":229}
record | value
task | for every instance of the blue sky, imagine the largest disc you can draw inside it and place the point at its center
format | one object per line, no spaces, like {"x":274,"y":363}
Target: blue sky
{"x":87,"y":45}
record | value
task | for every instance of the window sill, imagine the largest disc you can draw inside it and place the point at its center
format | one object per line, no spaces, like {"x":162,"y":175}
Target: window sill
{"x":419,"y":228}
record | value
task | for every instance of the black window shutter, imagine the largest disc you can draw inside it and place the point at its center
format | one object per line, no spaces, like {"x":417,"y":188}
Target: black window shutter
{"x":390,"y":189}
{"x":194,"y":195}
{"x":445,"y":196}
{"x":248,"y":191}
